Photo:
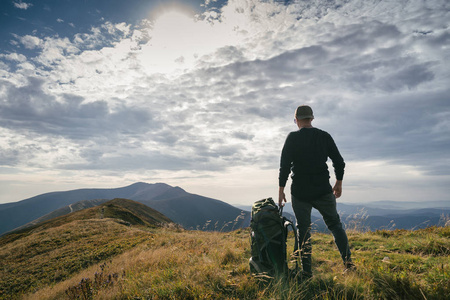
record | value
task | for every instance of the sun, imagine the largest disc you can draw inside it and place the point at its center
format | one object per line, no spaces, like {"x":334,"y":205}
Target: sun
{"x":173,"y":28}
{"x":174,"y":40}
{"x":179,"y":39}
{"x":167,"y":17}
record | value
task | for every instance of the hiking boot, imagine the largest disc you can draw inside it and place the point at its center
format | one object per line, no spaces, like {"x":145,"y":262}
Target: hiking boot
{"x":349,"y":267}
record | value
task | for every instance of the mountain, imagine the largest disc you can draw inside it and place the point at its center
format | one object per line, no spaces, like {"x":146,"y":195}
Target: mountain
{"x":198,"y":212}
{"x":80,"y":205}
{"x":382,"y":208}
{"x":190,"y":210}
{"x":370,"y":217}
{"x":132,"y":213}
{"x":407,"y":204}
{"x":123,"y":211}
{"x":382,"y":215}
{"x":395,"y":208}
{"x":13,"y":215}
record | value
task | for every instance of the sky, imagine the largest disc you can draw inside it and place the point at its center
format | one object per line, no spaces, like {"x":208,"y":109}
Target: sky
{"x":201,"y":94}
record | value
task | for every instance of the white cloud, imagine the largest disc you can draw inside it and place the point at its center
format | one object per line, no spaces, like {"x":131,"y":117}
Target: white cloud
{"x":22,"y":5}
{"x":14,"y":57}
{"x":125,"y":28}
{"x":209,"y":100}
{"x":30,"y":42}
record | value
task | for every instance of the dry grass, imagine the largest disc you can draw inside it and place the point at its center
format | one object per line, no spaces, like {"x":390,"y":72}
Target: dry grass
{"x":170,"y":263}
{"x":52,"y":255}
{"x":173,"y":264}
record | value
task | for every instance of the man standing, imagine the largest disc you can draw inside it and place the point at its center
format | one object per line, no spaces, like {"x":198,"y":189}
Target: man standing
{"x":305,"y":153}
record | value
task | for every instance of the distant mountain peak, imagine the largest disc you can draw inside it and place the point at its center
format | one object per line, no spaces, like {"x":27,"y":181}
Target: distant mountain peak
{"x":173,"y":192}
{"x":179,"y":189}
{"x":145,"y":184}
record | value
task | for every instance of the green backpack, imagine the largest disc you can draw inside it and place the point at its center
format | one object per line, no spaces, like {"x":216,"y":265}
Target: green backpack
{"x":269,"y":230}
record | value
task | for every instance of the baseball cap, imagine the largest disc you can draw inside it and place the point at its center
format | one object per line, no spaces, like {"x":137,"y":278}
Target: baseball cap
{"x":304,"y":112}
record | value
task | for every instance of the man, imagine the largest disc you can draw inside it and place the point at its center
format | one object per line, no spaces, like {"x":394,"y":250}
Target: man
{"x":305,"y":154}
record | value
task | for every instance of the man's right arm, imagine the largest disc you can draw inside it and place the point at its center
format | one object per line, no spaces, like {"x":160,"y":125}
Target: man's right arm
{"x":337,"y":189}
{"x":285,"y":170}
{"x":281,"y":196}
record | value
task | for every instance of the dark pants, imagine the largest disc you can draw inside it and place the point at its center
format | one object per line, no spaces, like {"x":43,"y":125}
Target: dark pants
{"x":326,"y":205}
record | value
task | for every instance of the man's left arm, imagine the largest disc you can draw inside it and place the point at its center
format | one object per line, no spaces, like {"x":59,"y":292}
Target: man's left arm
{"x":285,"y":170}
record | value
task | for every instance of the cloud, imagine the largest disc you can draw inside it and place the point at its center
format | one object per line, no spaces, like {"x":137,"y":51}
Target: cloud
{"x":22,"y":5}
{"x":123,"y":97}
{"x":14,"y":57}
{"x":30,"y":42}
{"x":31,"y":108}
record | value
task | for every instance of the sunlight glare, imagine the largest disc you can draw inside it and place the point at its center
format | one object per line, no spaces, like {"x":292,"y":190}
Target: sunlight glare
{"x":178,"y":39}
{"x":172,"y":29}
{"x":171,"y":46}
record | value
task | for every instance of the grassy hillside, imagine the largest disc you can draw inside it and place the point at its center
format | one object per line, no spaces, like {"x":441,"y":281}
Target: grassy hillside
{"x":96,"y":258}
{"x":123,"y":210}
{"x":56,"y":249}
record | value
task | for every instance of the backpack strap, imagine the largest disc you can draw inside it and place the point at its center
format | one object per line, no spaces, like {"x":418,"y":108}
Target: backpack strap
{"x":295,"y":253}
{"x":286,"y":224}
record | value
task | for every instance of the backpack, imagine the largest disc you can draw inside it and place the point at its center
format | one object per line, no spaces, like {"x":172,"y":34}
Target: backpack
{"x":269,"y":230}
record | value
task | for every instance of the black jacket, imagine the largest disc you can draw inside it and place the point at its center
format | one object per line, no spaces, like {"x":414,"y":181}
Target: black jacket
{"x":305,"y":154}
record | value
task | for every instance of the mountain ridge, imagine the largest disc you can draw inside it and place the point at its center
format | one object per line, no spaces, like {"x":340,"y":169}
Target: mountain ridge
{"x":122,"y":211}
{"x":13,"y":215}
{"x":160,"y":196}
{"x":198,"y":212}
{"x":83,"y":204}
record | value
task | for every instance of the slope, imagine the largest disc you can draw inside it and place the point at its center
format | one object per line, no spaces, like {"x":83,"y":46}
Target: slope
{"x":178,"y":264}
{"x":80,"y":205}
{"x":54,"y":250}
{"x":198,"y":212}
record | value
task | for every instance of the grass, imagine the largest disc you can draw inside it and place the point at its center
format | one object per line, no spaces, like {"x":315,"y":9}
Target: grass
{"x":102,"y":259}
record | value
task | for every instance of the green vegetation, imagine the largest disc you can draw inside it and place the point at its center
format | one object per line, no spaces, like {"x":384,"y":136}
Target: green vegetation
{"x":108,"y":259}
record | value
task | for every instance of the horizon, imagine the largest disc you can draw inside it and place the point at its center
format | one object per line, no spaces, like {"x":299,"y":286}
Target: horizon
{"x":435,"y":202}
{"x":201,"y":94}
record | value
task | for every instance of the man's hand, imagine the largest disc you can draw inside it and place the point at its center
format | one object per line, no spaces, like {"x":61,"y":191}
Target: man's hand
{"x":281,"y":196}
{"x":337,"y":189}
